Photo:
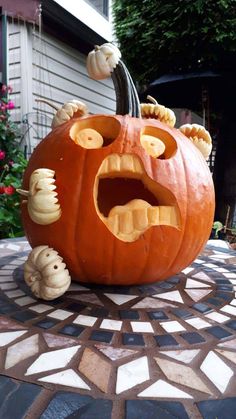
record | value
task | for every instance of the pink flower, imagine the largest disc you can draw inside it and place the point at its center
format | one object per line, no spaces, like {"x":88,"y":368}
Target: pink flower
{"x":10,"y":105}
{"x":2,"y":155}
{"x":10,"y":89}
{"x":11,"y":162}
{"x":9,"y":190}
{"x":2,"y":191}
{"x":4,"y":88}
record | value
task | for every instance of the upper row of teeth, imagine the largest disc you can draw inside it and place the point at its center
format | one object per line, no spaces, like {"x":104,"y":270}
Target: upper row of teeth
{"x":123,"y":163}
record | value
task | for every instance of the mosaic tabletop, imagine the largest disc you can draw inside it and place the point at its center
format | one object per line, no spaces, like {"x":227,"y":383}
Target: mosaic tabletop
{"x":163,"y":351}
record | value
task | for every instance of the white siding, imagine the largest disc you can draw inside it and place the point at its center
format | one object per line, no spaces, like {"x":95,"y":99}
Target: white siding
{"x":40,"y":66}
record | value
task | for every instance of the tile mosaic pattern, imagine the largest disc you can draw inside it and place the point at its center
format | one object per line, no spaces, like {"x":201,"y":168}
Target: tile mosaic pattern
{"x":166,"y":349}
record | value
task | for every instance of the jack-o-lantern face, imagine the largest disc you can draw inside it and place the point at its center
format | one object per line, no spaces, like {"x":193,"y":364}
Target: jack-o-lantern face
{"x":123,"y":200}
{"x":125,"y":216}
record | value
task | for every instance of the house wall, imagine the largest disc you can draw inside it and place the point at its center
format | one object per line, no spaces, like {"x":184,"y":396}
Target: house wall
{"x":40,"y":66}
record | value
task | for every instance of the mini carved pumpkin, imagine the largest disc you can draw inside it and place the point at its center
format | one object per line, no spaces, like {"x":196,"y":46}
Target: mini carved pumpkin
{"x":136,"y":196}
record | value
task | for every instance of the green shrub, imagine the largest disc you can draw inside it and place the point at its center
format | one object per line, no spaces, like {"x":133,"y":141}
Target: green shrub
{"x":12,"y":166}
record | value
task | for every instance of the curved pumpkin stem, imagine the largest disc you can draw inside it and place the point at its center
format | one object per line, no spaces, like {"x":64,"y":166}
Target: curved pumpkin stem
{"x":127,"y":100}
{"x":47,"y":103}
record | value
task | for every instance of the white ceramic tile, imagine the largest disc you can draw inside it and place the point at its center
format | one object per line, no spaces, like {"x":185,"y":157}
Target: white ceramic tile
{"x":111,"y":324}
{"x":233,"y":281}
{"x":203,"y":276}
{"x":198,"y":323}
{"x":230,"y":275}
{"x":21,"y":351}
{"x":171,"y":296}
{"x":8,"y":286}
{"x":14,"y":293}
{"x":221,"y":269}
{"x":192,"y":283}
{"x":221,"y":256}
{"x":182,"y":374}
{"x":17,"y":262}
{"x":131,"y":374}
{"x":233,"y":302}
{"x":13,"y":247}
{"x":210,"y":265}
{"x":197,"y":294}
{"x":41,"y":308}
{"x":24,"y":301}
{"x":228,"y":354}
{"x":149,"y":302}
{"x":52,"y":360}
{"x":199,"y":261}
{"x":185,"y":355}
{"x":120,"y":299}
{"x":85,"y":320}
{"x":6,"y":278}
{"x":186,"y":271}
{"x":66,"y":378}
{"x":8,"y":337}
{"x":60,"y":314}
{"x":163,"y":389}
{"x":144,"y":327}
{"x":217,"y":371}
{"x":230,"y":344}
{"x":217,"y":317}
{"x":229,"y":309}
{"x":6,"y":272}
{"x":172,"y":326}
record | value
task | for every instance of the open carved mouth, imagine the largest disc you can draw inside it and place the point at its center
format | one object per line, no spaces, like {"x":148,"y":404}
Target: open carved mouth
{"x":128,"y":201}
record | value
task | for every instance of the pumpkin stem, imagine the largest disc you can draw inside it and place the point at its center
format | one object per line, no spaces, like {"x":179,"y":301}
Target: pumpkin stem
{"x":151,"y":99}
{"x":23,"y":192}
{"x":47,"y":103}
{"x":127,"y":100}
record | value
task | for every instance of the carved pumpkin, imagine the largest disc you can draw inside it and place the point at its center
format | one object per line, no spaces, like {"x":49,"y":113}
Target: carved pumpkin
{"x":136,"y":197}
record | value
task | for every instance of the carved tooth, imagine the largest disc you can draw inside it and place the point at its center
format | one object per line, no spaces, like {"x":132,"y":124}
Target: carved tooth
{"x":153,"y":215}
{"x":113,"y":163}
{"x":113,"y":224}
{"x":137,"y":166}
{"x":140,"y":218}
{"x":126,"y":163}
{"x":104,"y":168}
{"x":168,"y":216}
{"x":126,"y":222}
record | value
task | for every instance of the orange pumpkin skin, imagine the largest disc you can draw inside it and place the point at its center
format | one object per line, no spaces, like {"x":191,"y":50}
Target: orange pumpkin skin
{"x":91,"y":252}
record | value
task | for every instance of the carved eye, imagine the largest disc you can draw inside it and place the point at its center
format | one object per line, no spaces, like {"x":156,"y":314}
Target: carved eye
{"x":94,"y":133}
{"x":152,"y":145}
{"x":158,"y":143}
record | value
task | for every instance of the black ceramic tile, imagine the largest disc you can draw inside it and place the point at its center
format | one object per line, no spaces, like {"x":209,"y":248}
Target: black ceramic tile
{"x":64,"y":404}
{"x":218,"y":409}
{"x":90,"y":411}
{"x":226,"y":288}
{"x":46,"y":323}
{"x":214,"y":301}
{"x":19,"y":400}
{"x":166,"y":285}
{"x":174,"y":280}
{"x":24,"y":316}
{"x":132,"y":339}
{"x":8,"y":308}
{"x":6,"y":387}
{"x":158,"y":315}
{"x":72,"y":330}
{"x":192,"y":337}
{"x":99,"y":312}
{"x":221,"y":281}
{"x":226,"y":297}
{"x":202,"y":308}
{"x":75,"y":307}
{"x":129,"y":314}
{"x":182,"y":313}
{"x":152,"y":409}
{"x":231,"y":324}
{"x":218,"y":332}
{"x":165,"y":340}
{"x":101,"y":336}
